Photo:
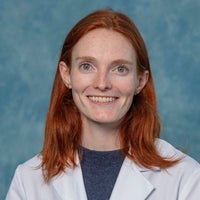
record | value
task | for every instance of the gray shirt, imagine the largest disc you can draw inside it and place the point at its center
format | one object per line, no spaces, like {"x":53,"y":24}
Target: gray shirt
{"x":100,"y":170}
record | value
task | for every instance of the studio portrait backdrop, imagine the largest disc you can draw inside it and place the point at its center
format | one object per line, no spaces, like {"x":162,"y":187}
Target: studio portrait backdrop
{"x":30,"y":41}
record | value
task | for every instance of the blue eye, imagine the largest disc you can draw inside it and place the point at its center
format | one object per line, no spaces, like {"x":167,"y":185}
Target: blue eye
{"x":86,"y":66}
{"x":121,"y":69}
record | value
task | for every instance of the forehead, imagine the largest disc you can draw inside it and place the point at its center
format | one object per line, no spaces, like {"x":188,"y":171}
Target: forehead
{"x":102,"y":42}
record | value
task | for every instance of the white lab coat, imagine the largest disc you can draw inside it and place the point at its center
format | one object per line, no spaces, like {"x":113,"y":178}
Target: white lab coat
{"x":181,"y":182}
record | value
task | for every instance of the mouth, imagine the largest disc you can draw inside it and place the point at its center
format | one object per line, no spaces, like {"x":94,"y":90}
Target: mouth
{"x":101,"y":99}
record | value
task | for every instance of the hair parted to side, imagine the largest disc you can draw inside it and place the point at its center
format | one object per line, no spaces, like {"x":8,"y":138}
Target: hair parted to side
{"x":139,"y":128}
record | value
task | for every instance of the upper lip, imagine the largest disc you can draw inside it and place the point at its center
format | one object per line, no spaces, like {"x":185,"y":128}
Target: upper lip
{"x":102,"y":99}
{"x":102,"y":96}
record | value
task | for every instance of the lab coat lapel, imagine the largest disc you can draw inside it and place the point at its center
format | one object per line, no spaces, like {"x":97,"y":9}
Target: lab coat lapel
{"x":131,"y":184}
{"x":69,"y":185}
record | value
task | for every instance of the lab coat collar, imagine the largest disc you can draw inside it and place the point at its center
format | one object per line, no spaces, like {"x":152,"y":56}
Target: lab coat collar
{"x":129,"y":184}
{"x":69,"y":185}
{"x":144,"y":169}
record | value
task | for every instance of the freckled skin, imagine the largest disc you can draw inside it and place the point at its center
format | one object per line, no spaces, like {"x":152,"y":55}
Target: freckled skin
{"x":103,"y":80}
{"x":101,"y":48}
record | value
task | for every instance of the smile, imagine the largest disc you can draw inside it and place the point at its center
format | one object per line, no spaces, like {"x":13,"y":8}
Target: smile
{"x":102,"y":99}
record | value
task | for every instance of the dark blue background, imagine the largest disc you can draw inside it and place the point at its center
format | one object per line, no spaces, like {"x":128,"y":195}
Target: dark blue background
{"x":31,"y":36}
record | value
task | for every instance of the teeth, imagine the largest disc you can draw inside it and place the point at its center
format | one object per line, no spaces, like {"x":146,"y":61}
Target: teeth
{"x":102,"y":99}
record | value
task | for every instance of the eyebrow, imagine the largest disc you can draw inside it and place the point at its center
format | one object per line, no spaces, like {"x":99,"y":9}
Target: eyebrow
{"x":88,"y":58}
{"x":115,"y":62}
{"x":122,"y":61}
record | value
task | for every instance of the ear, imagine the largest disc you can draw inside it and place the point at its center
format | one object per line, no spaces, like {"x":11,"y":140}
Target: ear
{"x":65,"y":74}
{"x":142,"y":81}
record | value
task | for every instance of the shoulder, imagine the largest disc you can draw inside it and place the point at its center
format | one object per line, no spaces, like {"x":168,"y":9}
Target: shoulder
{"x":166,"y":150}
{"x":30,"y":168}
{"x":186,"y":163}
{"x":34,"y":162}
{"x":184,"y":177}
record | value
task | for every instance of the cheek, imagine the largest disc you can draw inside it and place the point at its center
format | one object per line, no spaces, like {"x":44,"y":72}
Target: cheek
{"x":79,"y":85}
{"x":127,"y":87}
{"x":78,"y":82}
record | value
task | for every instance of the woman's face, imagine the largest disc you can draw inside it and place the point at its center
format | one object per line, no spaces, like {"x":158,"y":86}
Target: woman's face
{"x":103,"y":76}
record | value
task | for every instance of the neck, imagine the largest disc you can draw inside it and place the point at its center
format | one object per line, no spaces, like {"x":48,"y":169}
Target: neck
{"x":100,"y":137}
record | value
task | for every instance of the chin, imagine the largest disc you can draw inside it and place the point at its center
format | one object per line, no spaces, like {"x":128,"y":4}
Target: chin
{"x":106,"y":121}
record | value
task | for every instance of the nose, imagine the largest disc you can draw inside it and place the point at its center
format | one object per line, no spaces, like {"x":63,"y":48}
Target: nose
{"x":102,"y":81}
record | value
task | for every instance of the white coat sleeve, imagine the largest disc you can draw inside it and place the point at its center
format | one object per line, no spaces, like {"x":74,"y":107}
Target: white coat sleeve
{"x":191,"y":190}
{"x":16,"y":190}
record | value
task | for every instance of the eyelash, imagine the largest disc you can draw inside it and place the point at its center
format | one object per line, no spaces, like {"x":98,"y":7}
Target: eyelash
{"x":125,"y":69}
{"x":86,"y":64}
{"x":116,"y":69}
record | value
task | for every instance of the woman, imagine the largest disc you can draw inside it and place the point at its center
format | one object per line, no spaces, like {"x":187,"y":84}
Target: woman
{"x":102,"y":129}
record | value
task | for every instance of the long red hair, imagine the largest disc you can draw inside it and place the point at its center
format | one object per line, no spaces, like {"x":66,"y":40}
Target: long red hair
{"x":139,"y":128}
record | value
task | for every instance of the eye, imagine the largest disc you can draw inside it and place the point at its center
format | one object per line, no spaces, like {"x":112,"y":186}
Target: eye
{"x":86,"y":67}
{"x":121,"y":69}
